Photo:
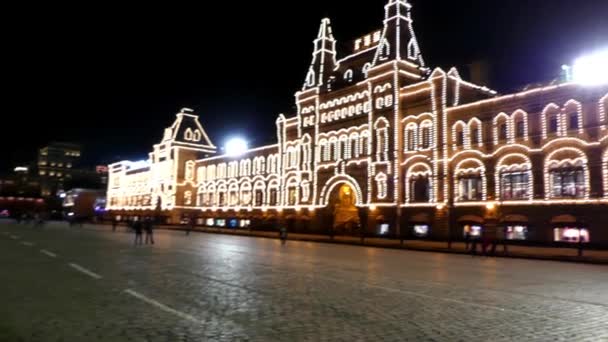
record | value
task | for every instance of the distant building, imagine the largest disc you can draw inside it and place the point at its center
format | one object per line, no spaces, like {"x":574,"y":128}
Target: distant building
{"x":382,"y":141}
{"x":56,"y":163}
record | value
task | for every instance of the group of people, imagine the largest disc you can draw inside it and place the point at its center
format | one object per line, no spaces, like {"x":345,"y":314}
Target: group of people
{"x":139,"y":226}
{"x":38,"y":219}
{"x":488,"y":244}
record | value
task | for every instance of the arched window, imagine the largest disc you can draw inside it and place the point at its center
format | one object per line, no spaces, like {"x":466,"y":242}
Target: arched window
{"x":520,"y":125}
{"x":221,"y":171}
{"x":470,"y":181}
{"x":573,"y":112}
{"x":221,"y":195}
{"x":425,"y":136}
{"x":411,"y":137}
{"x":211,"y":172}
{"x":365,"y":149}
{"x":566,"y":174}
{"x":188,"y":197}
{"x":412,"y":49}
{"x":292,"y":192}
{"x":418,"y":185}
{"x":310,"y":78}
{"x":245,"y":167}
{"x":196,"y":136}
{"x":385,"y":49}
{"x":273,"y":193}
{"x":475,"y":137}
{"x":201,"y":174}
{"x":233,"y":193}
{"x":305,"y":186}
{"x":381,"y":185}
{"x":259,"y":190}
{"x":366,"y":68}
{"x":501,"y":128}
{"x":552,"y":124}
{"x":332,"y":149}
{"x":381,"y":128}
{"x":514,"y":178}
{"x":355,"y":145}
{"x":306,"y":155}
{"x":188,"y":134}
{"x":189,"y":173}
{"x":246,"y":193}
{"x":458,"y":134}
{"x":348,"y":75}
{"x":344,"y":147}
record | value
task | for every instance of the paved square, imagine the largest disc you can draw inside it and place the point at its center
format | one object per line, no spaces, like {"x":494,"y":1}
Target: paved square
{"x":89,"y":284}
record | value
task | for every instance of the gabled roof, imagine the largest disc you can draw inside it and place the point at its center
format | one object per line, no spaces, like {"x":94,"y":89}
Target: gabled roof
{"x":187,"y":130}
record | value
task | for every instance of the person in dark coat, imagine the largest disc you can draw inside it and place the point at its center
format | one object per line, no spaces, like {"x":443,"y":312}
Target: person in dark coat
{"x":114,"y":224}
{"x":137,"y":226}
{"x":283,"y":235}
{"x":148,"y":227}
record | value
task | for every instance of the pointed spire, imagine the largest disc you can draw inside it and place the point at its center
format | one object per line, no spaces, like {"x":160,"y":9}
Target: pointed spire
{"x":398,"y":37}
{"x":323,"y":57}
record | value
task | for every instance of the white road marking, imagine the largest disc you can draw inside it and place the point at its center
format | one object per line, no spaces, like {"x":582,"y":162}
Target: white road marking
{"x":14,"y":237}
{"x":85,"y":271}
{"x":27,"y":243}
{"x":162,"y":306}
{"x":51,"y":254}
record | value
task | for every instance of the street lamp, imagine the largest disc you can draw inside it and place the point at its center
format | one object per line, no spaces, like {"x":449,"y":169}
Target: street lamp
{"x":591,"y":69}
{"x":236,"y":147}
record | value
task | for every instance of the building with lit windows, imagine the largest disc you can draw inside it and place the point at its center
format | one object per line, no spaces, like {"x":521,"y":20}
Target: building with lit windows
{"x":56,"y":163}
{"x":382,"y":142}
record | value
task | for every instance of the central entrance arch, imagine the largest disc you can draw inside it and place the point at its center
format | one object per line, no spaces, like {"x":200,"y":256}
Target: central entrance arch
{"x":342,"y":195}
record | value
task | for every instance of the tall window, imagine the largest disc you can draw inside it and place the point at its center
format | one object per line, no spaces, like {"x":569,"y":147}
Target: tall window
{"x":553,"y":123}
{"x":475,"y":136}
{"x":420,"y":189}
{"x":502,"y":131}
{"x":520,"y":129}
{"x":381,"y":185}
{"x":567,"y":182}
{"x":514,"y":185}
{"x":259,"y":197}
{"x":411,"y":139}
{"x":425,"y":136}
{"x":291,"y":196}
{"x":273,"y":197}
{"x":573,"y":121}
{"x":460,"y":138}
{"x":470,"y":188}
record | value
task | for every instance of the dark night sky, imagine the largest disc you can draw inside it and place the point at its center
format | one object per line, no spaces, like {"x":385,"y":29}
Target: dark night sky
{"x":112,"y":76}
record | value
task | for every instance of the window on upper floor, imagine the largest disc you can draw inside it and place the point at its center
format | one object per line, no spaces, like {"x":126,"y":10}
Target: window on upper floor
{"x":553,"y":123}
{"x":514,"y":185}
{"x":460,"y":138}
{"x":520,"y":129}
{"x":573,"y":121}
{"x":475,"y":136}
{"x":470,"y":188}
{"x":502,"y":131}
{"x":567,"y":182}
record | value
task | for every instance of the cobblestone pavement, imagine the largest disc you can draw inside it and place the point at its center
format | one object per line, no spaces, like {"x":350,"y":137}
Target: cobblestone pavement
{"x":89,"y":284}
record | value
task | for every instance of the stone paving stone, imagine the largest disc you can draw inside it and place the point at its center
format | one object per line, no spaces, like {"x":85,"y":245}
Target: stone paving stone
{"x":247,"y":289}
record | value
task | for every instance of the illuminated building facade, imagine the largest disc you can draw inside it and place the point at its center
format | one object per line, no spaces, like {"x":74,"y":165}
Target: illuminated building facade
{"x":382,"y":141}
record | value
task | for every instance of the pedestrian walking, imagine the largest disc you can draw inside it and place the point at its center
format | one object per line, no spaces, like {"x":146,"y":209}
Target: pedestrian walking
{"x":137,"y":226}
{"x":283,"y":235}
{"x":148,"y":227}
{"x":467,"y":237}
{"x":114,"y":224}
